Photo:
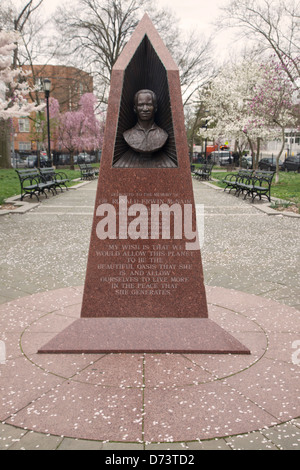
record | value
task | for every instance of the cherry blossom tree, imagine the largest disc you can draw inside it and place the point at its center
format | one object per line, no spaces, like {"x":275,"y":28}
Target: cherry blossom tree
{"x":251,"y":101}
{"x":272,"y":105}
{"x":14,"y":92}
{"x":80,"y":130}
{"x":227,"y":102}
{"x":15,"y":89}
{"x":271,"y":24}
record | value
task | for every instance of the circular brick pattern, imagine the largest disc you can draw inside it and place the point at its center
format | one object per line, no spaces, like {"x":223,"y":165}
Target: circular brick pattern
{"x":150,"y":397}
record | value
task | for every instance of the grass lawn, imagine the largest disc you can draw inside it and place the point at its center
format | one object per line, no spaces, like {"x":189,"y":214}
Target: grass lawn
{"x":288,"y":187}
{"x":10,"y":184}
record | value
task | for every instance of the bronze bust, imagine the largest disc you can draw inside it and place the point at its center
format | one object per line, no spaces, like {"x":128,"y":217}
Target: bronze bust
{"x":145,"y":137}
{"x":146,"y":140}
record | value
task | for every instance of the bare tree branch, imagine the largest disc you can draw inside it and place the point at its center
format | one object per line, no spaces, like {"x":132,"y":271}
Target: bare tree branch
{"x":97,"y":31}
{"x":274,"y":23}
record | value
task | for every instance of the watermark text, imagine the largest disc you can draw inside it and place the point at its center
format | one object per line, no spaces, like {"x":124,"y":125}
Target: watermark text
{"x":159,"y":222}
{"x":2,"y":352}
{"x":296,"y":353}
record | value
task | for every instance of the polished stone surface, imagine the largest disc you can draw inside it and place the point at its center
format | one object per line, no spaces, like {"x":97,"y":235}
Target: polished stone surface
{"x":149,"y":398}
{"x":144,"y":335}
{"x":144,"y":275}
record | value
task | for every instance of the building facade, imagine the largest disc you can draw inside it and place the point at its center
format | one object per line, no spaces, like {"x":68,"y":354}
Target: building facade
{"x":68,"y":84}
{"x":291,"y":147}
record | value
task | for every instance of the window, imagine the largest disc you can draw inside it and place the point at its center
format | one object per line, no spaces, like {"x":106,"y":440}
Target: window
{"x":24,"y":146}
{"x":24,"y":125}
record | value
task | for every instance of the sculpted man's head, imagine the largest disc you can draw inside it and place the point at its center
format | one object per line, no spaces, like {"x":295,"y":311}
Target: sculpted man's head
{"x":145,"y":105}
{"x":145,"y":137}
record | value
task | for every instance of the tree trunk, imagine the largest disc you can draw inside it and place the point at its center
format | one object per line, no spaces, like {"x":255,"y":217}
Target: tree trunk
{"x":254,"y":161}
{"x":258,"y":150}
{"x":72,"y":166}
{"x":5,"y":144}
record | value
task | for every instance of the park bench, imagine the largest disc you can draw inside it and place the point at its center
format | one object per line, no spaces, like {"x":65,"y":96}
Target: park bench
{"x":233,"y":179}
{"x":203,"y":171}
{"x":95,"y":170}
{"x":58,"y":178}
{"x":87,"y":171}
{"x":32,"y":183}
{"x":256,"y":184}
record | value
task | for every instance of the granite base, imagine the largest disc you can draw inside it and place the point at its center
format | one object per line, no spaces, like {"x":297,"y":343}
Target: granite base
{"x":144,"y":335}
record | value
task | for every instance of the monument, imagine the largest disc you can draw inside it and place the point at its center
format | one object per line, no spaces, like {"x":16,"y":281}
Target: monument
{"x":144,"y":289}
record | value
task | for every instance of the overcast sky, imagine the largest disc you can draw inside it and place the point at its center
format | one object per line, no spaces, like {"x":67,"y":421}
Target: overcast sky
{"x":193,"y":14}
{"x":200,"y":15}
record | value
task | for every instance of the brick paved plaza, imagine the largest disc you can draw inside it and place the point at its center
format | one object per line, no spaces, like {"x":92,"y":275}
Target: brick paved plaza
{"x":144,"y":401}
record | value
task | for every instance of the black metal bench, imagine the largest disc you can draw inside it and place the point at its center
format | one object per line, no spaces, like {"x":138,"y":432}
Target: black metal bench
{"x":87,"y":171}
{"x":32,"y":183}
{"x":203,"y":172}
{"x":232,"y":180}
{"x":251,"y":183}
{"x":58,"y":178}
{"x":92,"y":168}
{"x":258,"y":185}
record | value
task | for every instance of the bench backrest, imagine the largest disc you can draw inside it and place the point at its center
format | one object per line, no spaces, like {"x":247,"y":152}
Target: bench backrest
{"x":27,"y":174}
{"x":205,"y":166}
{"x":47,"y":174}
{"x":267,"y":175}
{"x":245,"y":172}
{"x":47,"y":171}
{"x":209,"y":166}
{"x":85,"y":166}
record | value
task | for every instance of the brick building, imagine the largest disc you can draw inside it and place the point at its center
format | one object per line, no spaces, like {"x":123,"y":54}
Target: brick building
{"x":68,"y":84}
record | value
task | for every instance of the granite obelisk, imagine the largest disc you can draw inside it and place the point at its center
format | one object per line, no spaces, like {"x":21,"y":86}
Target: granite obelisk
{"x":144,"y":288}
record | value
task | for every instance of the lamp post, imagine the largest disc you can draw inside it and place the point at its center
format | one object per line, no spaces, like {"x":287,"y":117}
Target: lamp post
{"x":205,"y":127}
{"x":47,"y":88}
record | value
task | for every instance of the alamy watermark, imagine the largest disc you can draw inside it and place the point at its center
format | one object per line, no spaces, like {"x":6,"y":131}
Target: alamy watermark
{"x":2,"y":352}
{"x":160,"y":222}
{"x":296,"y":354}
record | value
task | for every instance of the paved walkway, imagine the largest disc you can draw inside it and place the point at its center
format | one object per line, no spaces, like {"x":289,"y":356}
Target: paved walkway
{"x":251,"y":264}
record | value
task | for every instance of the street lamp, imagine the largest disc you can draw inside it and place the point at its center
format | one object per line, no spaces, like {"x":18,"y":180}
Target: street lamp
{"x":47,"y":88}
{"x":205,"y":127}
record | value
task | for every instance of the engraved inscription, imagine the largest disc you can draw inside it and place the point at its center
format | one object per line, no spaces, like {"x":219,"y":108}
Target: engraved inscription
{"x":133,"y":263}
{"x":146,"y":270}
